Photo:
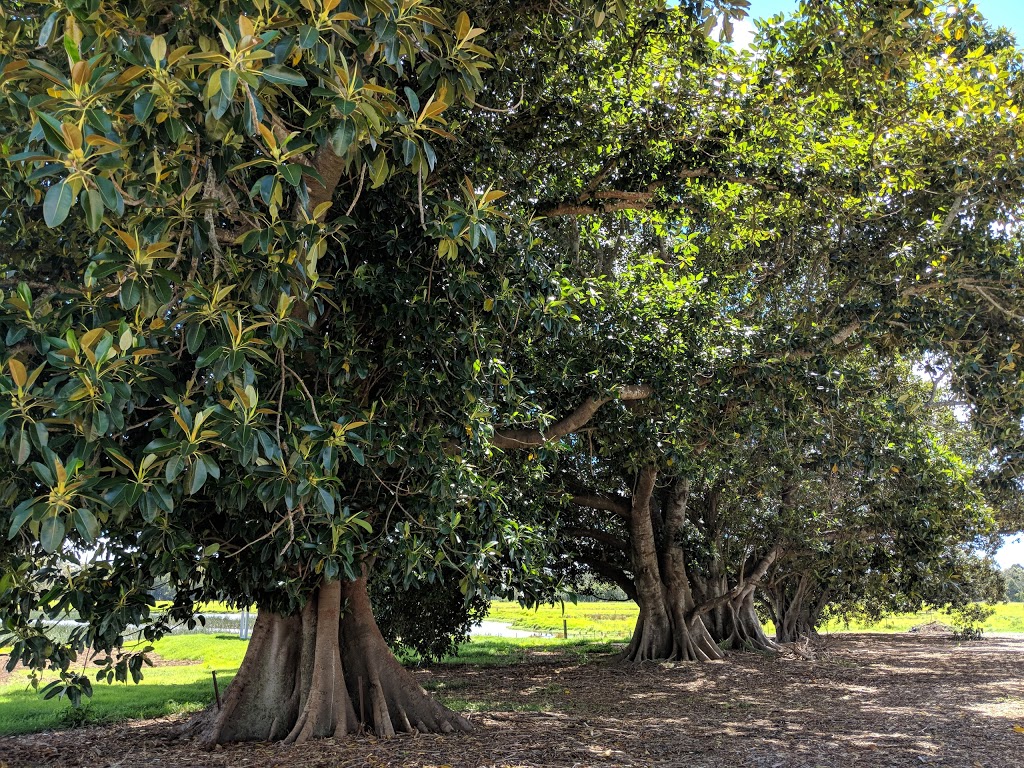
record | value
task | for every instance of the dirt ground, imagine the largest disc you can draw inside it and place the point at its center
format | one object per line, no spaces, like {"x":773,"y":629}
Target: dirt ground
{"x":866,"y":700}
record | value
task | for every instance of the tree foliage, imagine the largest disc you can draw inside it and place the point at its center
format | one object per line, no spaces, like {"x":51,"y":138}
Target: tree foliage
{"x":296,"y":292}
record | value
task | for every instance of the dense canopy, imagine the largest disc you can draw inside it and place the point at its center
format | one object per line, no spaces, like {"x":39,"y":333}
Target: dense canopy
{"x":465,"y":299}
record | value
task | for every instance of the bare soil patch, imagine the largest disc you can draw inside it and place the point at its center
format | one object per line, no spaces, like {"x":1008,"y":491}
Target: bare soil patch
{"x":867,"y":700}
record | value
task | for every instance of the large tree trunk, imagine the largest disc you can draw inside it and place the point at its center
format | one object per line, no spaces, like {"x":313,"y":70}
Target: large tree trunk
{"x":730,"y":613}
{"x":735,"y":625}
{"x":665,"y":629}
{"x":795,"y":612}
{"x":325,"y":672}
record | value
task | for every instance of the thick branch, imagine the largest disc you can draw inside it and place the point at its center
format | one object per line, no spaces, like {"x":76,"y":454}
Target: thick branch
{"x":596,"y":535}
{"x":833,"y":341}
{"x":607,"y":201}
{"x":330,"y":167}
{"x":510,"y":439}
{"x":646,"y":569}
{"x":744,"y":585}
{"x":619,"y":506}
{"x":675,"y":515}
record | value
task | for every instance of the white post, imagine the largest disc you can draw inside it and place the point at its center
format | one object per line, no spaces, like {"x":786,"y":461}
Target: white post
{"x":243,"y":627}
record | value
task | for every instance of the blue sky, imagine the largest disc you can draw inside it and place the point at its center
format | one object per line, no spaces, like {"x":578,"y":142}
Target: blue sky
{"x":1004,"y":13}
{"x":1001,"y":13}
{"x":1011,"y":552}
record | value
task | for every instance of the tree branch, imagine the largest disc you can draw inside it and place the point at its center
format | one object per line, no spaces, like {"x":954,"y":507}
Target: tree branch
{"x":511,"y":439}
{"x":592,"y":202}
{"x":745,"y":585}
{"x":601,"y":536}
{"x":618,"y":505}
{"x":833,"y":341}
{"x":330,"y":167}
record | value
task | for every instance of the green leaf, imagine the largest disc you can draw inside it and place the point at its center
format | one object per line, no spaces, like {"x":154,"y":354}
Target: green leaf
{"x":414,"y":100}
{"x":364,"y":524}
{"x":198,"y":477}
{"x":43,"y":473}
{"x":282,"y":75}
{"x":87,"y":524}
{"x":408,"y":151}
{"x":343,"y":136}
{"x":21,"y":513}
{"x":57,"y":203}
{"x":131,"y":293}
{"x":209,"y":357}
{"x":308,"y":36}
{"x":108,"y":193}
{"x":379,"y":170}
{"x":51,"y":533}
{"x":46,"y":31}
{"x":292,"y":173}
{"x":92,"y":204}
{"x":71,"y":48}
{"x":21,"y":446}
{"x":143,"y":108}
{"x":52,"y":132}
{"x":327,"y":498}
{"x":357,"y":454}
{"x":194,"y":337}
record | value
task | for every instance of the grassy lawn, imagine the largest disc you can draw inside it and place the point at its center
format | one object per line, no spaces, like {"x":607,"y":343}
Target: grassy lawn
{"x":615,"y":620}
{"x":188,"y":687}
{"x":185,"y":685}
{"x":607,"y":620}
{"x":1009,"y":617}
{"x":164,"y":690}
{"x":210,"y":607}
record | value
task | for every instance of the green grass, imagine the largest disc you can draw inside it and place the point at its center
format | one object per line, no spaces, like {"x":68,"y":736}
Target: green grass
{"x":186,"y":688}
{"x":612,"y":620}
{"x":1009,"y":617}
{"x":210,"y":607}
{"x":163,"y":691}
{"x":615,"y":620}
{"x":211,"y":651}
{"x":506,"y":651}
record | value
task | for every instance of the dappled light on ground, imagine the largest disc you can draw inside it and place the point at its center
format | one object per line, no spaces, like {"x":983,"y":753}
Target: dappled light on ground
{"x":865,"y":701}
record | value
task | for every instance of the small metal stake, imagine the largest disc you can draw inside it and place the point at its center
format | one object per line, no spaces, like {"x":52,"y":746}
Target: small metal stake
{"x":216,"y":688}
{"x":362,"y":710}
{"x":565,"y":629}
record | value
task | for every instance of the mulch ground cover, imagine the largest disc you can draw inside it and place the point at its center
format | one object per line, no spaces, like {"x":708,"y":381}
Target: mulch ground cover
{"x":865,"y":700}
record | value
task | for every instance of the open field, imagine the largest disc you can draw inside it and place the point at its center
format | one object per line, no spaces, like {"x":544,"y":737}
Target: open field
{"x":615,"y":620}
{"x":866,"y":700}
{"x":182,"y":681}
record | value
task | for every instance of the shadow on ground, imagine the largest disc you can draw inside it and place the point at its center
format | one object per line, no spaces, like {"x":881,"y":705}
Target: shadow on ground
{"x":867,"y":700}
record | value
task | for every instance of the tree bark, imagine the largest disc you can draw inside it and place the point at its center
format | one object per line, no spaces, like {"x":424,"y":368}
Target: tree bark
{"x":735,"y":625}
{"x":664,"y":629}
{"x":322,"y":673}
{"x":730,"y":613}
{"x":795,"y":612}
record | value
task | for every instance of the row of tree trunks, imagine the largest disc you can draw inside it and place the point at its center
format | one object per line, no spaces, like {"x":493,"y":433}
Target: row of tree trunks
{"x":729,"y":611}
{"x":325,"y":672}
{"x":664,"y":629}
{"x":794,"y":609}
